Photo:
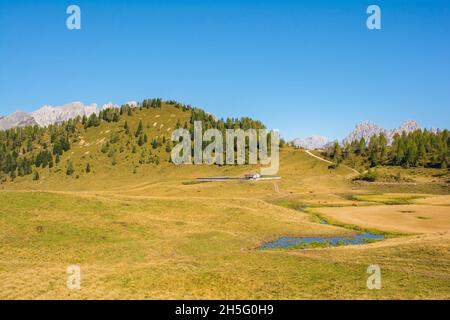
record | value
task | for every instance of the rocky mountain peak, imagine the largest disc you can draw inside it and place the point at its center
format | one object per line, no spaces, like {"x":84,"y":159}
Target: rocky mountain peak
{"x":364,"y":129}
{"x":408,"y":126}
{"x":311,"y":143}
{"x":49,"y":114}
{"x":17,"y":119}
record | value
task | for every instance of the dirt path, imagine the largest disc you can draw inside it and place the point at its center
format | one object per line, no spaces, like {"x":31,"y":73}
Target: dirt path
{"x":277,"y":189}
{"x":327,"y":161}
{"x":317,"y":157}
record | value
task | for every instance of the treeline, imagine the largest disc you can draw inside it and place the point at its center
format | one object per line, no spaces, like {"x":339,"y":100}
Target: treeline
{"x":27,"y":148}
{"x":419,"y":148}
{"x":210,"y":122}
{"x":107,"y":115}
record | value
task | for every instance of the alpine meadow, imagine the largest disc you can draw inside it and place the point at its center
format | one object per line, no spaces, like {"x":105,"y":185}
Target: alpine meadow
{"x":101,"y":192}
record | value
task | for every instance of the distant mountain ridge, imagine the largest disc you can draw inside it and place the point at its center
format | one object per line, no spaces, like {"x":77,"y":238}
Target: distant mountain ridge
{"x":17,"y":119}
{"x":364,"y":130}
{"x":367,"y":129}
{"x":48,"y":114}
{"x":311,"y":143}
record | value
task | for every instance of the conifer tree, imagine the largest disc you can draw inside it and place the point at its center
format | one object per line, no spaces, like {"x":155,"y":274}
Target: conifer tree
{"x":69,"y":170}
{"x":139,"y":129}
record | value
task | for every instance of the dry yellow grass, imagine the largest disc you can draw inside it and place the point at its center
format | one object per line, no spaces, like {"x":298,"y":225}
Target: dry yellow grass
{"x":395,"y":218}
{"x":435,"y":200}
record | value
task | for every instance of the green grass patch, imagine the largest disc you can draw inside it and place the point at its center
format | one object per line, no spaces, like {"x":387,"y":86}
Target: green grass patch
{"x":389,"y":199}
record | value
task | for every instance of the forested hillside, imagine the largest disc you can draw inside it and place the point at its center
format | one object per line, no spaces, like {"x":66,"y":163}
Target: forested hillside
{"x":132,"y":134}
{"x":419,"y":148}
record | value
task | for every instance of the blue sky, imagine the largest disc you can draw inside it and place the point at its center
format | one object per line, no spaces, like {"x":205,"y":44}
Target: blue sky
{"x":304,"y":67}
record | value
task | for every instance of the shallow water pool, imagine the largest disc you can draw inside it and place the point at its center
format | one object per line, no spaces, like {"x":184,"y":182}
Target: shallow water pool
{"x":286,"y":242}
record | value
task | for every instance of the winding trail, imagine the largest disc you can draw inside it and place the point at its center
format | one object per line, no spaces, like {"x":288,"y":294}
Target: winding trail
{"x":328,"y":161}
{"x":317,"y":157}
{"x":277,"y":189}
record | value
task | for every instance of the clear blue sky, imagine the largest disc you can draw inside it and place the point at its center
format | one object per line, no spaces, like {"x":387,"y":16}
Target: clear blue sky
{"x":303,"y":67}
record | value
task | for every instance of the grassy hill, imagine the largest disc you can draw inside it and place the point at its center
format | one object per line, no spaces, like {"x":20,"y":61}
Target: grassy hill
{"x":111,"y":151}
{"x":108,"y":147}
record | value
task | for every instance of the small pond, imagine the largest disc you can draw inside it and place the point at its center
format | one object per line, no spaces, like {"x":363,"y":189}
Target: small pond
{"x":286,"y":242}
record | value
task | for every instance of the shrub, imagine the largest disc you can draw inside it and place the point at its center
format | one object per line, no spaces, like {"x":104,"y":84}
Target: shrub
{"x":35,"y":176}
{"x":369,"y":176}
{"x":70,"y":170}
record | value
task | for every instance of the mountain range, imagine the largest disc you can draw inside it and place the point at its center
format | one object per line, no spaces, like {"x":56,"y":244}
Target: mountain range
{"x":47,"y":114}
{"x":311,"y":143}
{"x":364,"y":130}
